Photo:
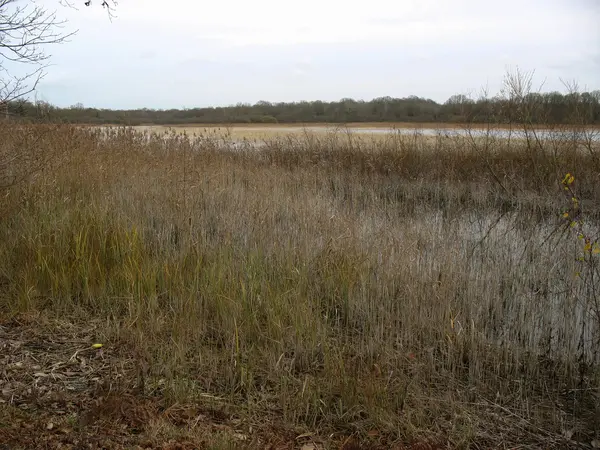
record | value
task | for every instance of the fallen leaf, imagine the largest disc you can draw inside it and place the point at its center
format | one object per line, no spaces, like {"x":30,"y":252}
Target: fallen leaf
{"x":49,"y":426}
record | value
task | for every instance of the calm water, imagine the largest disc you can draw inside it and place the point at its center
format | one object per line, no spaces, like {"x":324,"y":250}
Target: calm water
{"x":592,"y":134}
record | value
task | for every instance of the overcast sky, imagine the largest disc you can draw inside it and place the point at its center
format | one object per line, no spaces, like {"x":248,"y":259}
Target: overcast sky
{"x":187,"y":53}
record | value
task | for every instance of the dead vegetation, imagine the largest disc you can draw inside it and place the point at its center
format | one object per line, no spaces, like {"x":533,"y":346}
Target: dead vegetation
{"x":321,"y":290}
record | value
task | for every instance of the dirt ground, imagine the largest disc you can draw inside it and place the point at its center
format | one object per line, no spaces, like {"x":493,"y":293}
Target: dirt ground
{"x":59,"y":392}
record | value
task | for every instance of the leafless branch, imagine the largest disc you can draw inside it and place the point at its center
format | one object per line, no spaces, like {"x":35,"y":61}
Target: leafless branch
{"x":14,"y":87}
{"x":108,"y":5}
{"x":25,"y":31}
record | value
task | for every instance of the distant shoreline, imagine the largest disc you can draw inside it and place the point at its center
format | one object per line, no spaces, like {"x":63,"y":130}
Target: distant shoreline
{"x":381,"y":125}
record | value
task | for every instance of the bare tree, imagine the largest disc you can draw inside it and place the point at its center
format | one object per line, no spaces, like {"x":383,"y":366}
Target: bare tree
{"x":26,"y":30}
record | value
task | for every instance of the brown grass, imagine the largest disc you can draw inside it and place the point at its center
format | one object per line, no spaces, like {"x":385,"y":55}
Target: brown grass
{"x":386,"y":290}
{"x":376,"y":125}
{"x":367,"y":133}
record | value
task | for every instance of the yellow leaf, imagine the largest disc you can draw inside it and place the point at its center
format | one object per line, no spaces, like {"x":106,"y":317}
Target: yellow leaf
{"x":97,"y":346}
{"x":568,"y":179}
{"x":565,"y":215}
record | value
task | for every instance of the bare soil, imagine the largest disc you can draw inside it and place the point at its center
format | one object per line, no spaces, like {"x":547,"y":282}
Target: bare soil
{"x":59,"y":392}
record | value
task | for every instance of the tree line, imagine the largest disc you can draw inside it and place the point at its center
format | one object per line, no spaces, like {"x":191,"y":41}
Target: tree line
{"x":546,"y":108}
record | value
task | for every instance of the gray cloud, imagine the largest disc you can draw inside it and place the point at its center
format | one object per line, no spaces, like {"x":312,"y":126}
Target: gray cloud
{"x":195,"y":55}
{"x":148,"y":54}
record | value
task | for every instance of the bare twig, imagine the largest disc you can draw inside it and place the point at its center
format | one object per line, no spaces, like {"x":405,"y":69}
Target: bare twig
{"x":25,"y":30}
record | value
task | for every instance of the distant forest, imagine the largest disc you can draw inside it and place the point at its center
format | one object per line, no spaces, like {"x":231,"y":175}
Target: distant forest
{"x":546,"y":108}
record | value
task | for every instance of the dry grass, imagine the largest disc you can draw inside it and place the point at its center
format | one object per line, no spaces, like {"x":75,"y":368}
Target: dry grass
{"x":366,"y":133}
{"x":390,"y":290}
{"x":376,"y":125}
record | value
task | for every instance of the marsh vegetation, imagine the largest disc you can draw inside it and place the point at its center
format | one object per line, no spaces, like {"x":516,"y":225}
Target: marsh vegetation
{"x":391,"y":289}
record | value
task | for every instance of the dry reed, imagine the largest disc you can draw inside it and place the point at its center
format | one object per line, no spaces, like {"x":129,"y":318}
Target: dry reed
{"x":420,"y":287}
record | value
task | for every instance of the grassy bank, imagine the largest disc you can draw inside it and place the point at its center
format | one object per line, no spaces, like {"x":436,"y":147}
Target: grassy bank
{"x":395,"y":290}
